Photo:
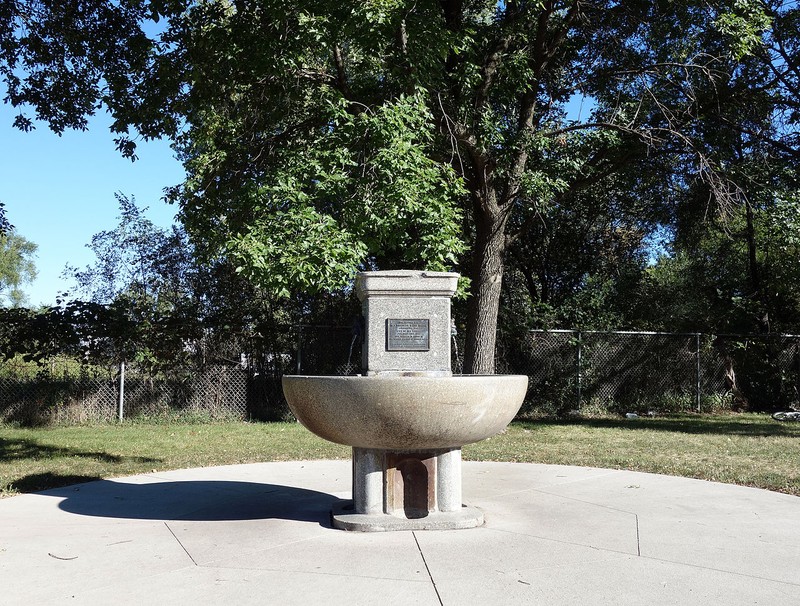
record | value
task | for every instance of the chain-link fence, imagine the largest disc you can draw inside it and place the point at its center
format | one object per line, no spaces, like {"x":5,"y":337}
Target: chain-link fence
{"x":755,"y":372}
{"x":82,"y":394}
{"x":31,"y":394}
{"x":234,"y":381}
{"x":568,"y":370}
{"x":648,"y":371}
{"x":314,"y":350}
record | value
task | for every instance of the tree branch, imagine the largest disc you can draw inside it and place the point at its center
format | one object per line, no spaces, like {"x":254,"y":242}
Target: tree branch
{"x":341,"y":74}
{"x":489,"y":69}
{"x":453,"y":12}
{"x":545,"y":48}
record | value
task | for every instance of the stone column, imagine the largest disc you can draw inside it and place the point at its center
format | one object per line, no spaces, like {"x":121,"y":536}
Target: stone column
{"x":448,"y":480}
{"x":406,"y":321}
{"x":368,"y":481}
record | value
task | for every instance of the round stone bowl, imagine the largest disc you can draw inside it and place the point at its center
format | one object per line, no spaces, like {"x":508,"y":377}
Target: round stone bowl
{"x":405,"y":412}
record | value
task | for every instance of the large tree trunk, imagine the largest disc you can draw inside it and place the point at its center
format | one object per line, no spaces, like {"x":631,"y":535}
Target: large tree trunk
{"x":487,"y":280}
{"x":758,"y":292}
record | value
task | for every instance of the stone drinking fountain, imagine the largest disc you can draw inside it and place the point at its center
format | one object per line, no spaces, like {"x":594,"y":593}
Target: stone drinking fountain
{"x":408,"y":416}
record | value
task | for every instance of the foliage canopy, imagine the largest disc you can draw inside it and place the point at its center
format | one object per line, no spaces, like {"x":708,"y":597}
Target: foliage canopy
{"x":325,"y":137}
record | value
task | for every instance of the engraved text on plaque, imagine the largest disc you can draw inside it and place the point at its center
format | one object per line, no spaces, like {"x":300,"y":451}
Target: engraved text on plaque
{"x":407,"y":335}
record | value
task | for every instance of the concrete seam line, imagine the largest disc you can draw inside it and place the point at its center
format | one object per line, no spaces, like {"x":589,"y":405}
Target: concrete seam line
{"x":181,"y":544}
{"x":424,"y":561}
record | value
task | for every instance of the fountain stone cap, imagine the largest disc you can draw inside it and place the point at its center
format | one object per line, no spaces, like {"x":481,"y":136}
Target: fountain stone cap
{"x":407,"y":320}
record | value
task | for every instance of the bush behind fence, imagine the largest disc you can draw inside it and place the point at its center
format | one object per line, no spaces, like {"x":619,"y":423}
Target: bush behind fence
{"x":569,"y":371}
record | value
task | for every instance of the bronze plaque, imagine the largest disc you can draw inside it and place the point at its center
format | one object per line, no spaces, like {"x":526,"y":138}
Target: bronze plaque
{"x":407,"y":335}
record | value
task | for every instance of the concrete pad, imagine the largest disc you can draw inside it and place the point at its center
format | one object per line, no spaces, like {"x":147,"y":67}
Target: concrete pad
{"x":42,"y":564}
{"x":501,"y":557}
{"x":262,"y":533}
{"x":679,"y":521}
{"x":487,"y":479}
{"x":209,"y":543}
{"x":621,"y":581}
{"x":388,"y":556}
{"x":551,"y":517}
{"x":244,"y":587}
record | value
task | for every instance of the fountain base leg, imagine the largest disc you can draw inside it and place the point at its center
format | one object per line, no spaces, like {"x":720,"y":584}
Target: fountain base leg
{"x":406,"y":490}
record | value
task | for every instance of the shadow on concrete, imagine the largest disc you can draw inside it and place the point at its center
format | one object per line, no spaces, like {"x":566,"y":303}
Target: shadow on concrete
{"x":201,"y":500}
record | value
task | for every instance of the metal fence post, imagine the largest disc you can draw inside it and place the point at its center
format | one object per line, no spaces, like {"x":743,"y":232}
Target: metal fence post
{"x":299,"y":347}
{"x":121,"y":390}
{"x":578,"y":354}
{"x":797,"y":369}
{"x":697,"y":369}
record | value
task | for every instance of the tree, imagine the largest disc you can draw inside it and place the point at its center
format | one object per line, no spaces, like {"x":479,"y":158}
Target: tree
{"x":149,"y":298}
{"x":324,"y":137}
{"x":490,"y":84}
{"x":143,"y":287}
{"x":17,"y":267}
{"x":5,"y":226}
{"x":734,"y":246}
{"x":578,"y":261}
{"x":707,"y":281}
{"x":136,"y":259}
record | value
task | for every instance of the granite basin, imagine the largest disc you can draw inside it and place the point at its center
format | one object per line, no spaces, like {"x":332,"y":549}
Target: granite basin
{"x":405,"y":412}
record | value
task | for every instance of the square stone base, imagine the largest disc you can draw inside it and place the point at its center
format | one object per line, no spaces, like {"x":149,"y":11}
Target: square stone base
{"x":345,"y":518}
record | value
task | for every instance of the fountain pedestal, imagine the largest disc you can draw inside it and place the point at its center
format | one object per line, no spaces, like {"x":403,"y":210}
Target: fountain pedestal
{"x":408,"y":418}
{"x":394,"y":490}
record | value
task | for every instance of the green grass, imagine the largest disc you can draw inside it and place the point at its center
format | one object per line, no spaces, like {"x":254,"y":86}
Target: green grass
{"x":40,"y":458}
{"x":746,"y":449}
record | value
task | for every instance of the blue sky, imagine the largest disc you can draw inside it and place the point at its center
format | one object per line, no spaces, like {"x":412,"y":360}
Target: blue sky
{"x":59,"y":192}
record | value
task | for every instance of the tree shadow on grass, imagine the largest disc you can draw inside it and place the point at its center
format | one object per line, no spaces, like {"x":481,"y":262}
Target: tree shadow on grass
{"x":18,"y":449}
{"x":740,"y":426}
{"x":31,"y":450}
{"x":146,"y":498}
{"x":43,"y":481}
